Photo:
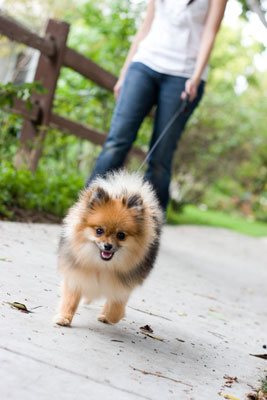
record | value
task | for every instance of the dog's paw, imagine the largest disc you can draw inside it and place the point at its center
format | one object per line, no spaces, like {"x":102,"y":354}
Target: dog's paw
{"x":103,"y":318}
{"x":62,"y":321}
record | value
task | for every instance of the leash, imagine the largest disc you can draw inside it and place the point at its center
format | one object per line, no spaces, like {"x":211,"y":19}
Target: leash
{"x":184,"y":108}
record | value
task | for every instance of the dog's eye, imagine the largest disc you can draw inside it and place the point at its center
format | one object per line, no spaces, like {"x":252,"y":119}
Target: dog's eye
{"x":99,"y":231}
{"x":121,"y":235}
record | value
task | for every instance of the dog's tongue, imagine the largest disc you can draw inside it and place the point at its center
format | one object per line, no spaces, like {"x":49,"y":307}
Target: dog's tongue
{"x":106,"y":255}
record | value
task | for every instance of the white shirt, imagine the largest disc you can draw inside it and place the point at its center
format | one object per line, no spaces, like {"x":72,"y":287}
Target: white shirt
{"x":171,"y":46}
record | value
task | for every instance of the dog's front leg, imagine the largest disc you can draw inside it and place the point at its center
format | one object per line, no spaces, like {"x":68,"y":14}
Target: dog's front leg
{"x":112,"y":312}
{"x":69,"y":303}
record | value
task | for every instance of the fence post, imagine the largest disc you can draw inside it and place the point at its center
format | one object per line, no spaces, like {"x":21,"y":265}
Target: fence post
{"x":48,"y":69}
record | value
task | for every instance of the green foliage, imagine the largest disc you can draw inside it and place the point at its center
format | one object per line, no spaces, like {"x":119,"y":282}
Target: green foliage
{"x":9,"y":92}
{"x":103,"y":32}
{"x":264,"y":385}
{"x":43,"y":191}
{"x":10,"y":128}
{"x":223,"y":155}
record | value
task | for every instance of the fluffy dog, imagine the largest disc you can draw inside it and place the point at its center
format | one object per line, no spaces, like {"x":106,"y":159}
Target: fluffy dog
{"x":108,"y":245}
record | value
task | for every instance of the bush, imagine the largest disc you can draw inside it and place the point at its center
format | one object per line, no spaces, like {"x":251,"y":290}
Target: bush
{"x":44,"y":191}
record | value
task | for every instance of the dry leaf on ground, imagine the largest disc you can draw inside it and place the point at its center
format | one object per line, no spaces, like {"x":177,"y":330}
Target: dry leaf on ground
{"x":19,"y":306}
{"x":147,"y":328}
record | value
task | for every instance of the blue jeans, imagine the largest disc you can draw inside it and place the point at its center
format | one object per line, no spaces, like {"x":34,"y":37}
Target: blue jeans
{"x":143,"y":88}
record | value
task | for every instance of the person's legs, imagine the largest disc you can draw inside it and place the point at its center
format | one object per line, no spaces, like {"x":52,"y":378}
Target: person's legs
{"x":160,"y":161}
{"x":136,"y":99}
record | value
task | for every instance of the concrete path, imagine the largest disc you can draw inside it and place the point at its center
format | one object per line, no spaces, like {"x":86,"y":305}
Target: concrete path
{"x":206,"y":298}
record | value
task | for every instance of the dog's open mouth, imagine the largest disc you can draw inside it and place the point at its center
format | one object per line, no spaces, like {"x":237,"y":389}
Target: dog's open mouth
{"x":106,"y":255}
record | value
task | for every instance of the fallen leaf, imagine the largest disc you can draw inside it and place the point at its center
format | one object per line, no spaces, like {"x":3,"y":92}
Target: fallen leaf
{"x":228,"y":396}
{"x":151,"y":336}
{"x":19,"y":306}
{"x":147,"y":328}
{"x":213,"y":309}
{"x":115,"y":340}
{"x":230,"y":379}
{"x":263,"y":356}
{"x":252,"y":396}
{"x":180,"y":340}
{"x":158,"y":374}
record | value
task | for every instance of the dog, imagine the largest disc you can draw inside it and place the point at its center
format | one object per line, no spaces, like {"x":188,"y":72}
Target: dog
{"x":108,"y":245}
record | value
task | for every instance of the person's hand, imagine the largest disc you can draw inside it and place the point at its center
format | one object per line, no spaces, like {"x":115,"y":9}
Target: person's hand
{"x":117,"y":87}
{"x":191,"y":86}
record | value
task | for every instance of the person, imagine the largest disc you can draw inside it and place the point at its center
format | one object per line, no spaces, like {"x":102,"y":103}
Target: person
{"x":166,"y":62}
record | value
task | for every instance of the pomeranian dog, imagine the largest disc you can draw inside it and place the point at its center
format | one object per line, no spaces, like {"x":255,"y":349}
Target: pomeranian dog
{"x":108,"y":245}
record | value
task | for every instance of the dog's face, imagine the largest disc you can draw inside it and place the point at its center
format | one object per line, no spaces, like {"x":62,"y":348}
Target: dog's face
{"x":113,"y":226}
{"x":109,"y":238}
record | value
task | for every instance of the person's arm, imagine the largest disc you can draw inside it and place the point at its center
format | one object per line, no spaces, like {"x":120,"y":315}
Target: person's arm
{"x":212,"y":25}
{"x":140,"y":35}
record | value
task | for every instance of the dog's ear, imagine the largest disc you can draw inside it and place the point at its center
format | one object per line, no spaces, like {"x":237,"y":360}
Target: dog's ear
{"x":135,"y":202}
{"x":98,"y":198}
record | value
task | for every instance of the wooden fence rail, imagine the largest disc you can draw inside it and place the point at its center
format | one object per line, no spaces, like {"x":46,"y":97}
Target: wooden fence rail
{"x":54,"y":55}
{"x":15,"y":31}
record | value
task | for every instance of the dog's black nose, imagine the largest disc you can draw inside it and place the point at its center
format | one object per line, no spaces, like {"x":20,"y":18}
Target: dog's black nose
{"x":107,"y":246}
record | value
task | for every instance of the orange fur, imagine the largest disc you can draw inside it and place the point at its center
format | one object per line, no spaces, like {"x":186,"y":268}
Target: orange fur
{"x":69,"y":304}
{"x":112,"y":312}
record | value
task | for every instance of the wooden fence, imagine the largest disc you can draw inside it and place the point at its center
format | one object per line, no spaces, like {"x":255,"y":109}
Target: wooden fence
{"x":53,"y":55}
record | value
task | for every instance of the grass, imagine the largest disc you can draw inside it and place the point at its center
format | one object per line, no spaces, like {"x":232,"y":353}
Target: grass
{"x":192,"y":215}
{"x":264,"y":385}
